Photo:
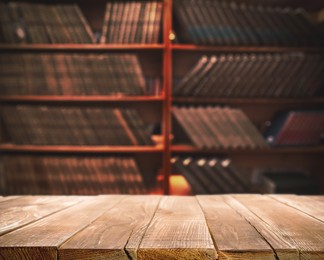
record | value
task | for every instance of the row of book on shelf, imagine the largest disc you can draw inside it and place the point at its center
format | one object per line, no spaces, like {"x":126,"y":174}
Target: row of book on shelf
{"x":229,"y":128}
{"x":200,"y":22}
{"x":41,"y":125}
{"x":253,"y":75}
{"x":239,"y":75}
{"x":75,"y":74}
{"x":213,"y":175}
{"x":92,"y":175}
{"x":217,"y":22}
{"x":55,"y":175}
{"x":124,"y":22}
{"x":211,"y":127}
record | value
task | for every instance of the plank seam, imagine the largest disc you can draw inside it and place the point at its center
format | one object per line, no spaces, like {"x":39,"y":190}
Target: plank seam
{"x":43,"y":217}
{"x":291,"y":206}
{"x":210,"y":233}
{"x":86,"y":225}
{"x":125,"y":250}
{"x":273,"y":250}
{"x":148,"y":225}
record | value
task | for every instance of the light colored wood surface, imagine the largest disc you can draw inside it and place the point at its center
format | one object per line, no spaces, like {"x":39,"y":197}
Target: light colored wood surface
{"x":45,"y":235}
{"x":178,"y":231}
{"x":234,"y":236}
{"x":297,"y":228}
{"x":20,"y":211}
{"x":116,"y":234}
{"x":282,"y":248}
{"x":2,"y":199}
{"x":312,"y":206}
{"x":162,"y":227}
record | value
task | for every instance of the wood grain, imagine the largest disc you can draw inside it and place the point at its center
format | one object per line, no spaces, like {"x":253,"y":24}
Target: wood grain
{"x":233,"y":236}
{"x":297,"y":229}
{"x":281,"y":247}
{"x":170,"y":227}
{"x":178,"y":231}
{"x":311,"y":206}
{"x":46,"y":234}
{"x":18,"y":212}
{"x":114,"y":235}
{"x":2,"y":199}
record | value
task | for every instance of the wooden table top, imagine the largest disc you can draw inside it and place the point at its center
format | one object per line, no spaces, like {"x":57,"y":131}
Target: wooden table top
{"x":162,"y":227}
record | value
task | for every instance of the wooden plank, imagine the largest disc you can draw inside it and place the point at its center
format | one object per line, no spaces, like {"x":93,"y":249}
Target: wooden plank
{"x":178,"y":231}
{"x":313,"y":207}
{"x":3,"y":199}
{"x":114,"y":235}
{"x":318,"y":198}
{"x":297,"y":228}
{"x":281,"y":247}
{"x":41,"y":239}
{"x":20,"y":211}
{"x":233,"y":236}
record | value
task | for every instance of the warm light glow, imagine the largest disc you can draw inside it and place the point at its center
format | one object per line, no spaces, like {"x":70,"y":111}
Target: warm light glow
{"x":179,"y":185}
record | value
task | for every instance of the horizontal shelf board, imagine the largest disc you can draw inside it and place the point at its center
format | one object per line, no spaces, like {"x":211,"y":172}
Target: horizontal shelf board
{"x":79,"y":149}
{"x":190,"y":47}
{"x":82,"y":47}
{"x":270,"y":150}
{"x":253,"y":101}
{"x":34,"y":98}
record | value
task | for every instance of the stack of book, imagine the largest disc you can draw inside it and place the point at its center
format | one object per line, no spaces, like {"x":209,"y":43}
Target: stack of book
{"x":216,"y":127}
{"x":206,"y":22}
{"x":211,"y":175}
{"x":42,"y":125}
{"x":253,"y":75}
{"x":296,"y":127}
{"x":54,"y":175}
{"x":132,"y":22}
{"x":74,"y":74}
{"x":23,"y":22}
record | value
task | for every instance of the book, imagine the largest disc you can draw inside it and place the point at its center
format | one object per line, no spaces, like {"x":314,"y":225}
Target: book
{"x":211,"y":175}
{"x":26,"y":22}
{"x":215,"y":127}
{"x":132,"y":22}
{"x":296,"y":127}
{"x":72,"y":74}
{"x":253,"y":75}
{"x":241,"y":24}
{"x":74,"y":126}
{"x":70,"y":175}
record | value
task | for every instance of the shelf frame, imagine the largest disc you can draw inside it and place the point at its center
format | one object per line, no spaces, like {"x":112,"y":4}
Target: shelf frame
{"x":80,"y":149}
{"x":83,"y":99}
{"x":188,"y":149}
{"x":82,"y":47}
{"x":167,"y":49}
{"x":245,"y":49}
{"x":248,"y":100}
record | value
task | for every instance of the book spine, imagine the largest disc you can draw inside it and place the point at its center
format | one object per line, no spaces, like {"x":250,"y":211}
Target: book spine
{"x":157,"y":23}
{"x":207,"y":140}
{"x":85,"y":29}
{"x":107,"y":23}
{"x":118,"y":22}
{"x":181,"y":166}
{"x":125,"y":22}
{"x":126,"y":128}
{"x":202,"y":178}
